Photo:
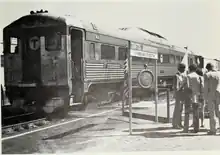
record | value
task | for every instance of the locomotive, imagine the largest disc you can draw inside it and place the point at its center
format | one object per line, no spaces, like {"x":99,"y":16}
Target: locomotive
{"x":54,"y":61}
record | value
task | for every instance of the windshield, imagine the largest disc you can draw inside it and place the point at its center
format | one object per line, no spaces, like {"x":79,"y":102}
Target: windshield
{"x":32,"y":38}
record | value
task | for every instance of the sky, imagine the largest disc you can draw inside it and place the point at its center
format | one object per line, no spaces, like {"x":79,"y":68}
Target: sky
{"x":192,"y":23}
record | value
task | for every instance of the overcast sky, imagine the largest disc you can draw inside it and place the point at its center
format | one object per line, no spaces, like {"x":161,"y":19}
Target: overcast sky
{"x":192,"y":23}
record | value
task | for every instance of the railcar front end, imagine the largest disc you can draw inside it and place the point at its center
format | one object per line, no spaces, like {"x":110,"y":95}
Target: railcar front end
{"x":35,"y":62}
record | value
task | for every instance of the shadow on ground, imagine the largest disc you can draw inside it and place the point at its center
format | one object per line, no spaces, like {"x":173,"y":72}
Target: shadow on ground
{"x":70,"y":132}
{"x":147,"y":117}
{"x":154,"y":133}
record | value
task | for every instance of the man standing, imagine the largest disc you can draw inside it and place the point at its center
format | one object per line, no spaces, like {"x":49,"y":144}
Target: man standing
{"x":193,"y":83}
{"x":201,"y":96}
{"x":212,"y":95}
{"x":180,"y":84}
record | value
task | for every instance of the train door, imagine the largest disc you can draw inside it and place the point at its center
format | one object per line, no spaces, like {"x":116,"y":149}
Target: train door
{"x":31,"y":59}
{"x":76,"y":65}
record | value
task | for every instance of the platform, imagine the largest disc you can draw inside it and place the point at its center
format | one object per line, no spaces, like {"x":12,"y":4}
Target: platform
{"x":146,"y":110}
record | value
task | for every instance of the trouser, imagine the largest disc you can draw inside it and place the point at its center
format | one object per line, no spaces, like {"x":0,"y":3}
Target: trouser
{"x":186,"y":117}
{"x":177,"y":114}
{"x":201,"y":109}
{"x":196,"y":116}
{"x":217,"y":105}
{"x":213,"y":111}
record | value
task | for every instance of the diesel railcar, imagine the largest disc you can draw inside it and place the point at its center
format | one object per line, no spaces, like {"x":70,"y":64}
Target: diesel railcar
{"x":53,"y":61}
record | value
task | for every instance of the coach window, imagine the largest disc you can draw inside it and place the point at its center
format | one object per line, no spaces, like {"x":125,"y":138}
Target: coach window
{"x":160,"y":58}
{"x":136,"y":58}
{"x":165,"y":58}
{"x":53,"y":42}
{"x":14,"y":45}
{"x":178,"y":59}
{"x":172,"y":59}
{"x":149,"y":61}
{"x":107,"y":52}
{"x":92,"y":51}
{"x":122,"y":53}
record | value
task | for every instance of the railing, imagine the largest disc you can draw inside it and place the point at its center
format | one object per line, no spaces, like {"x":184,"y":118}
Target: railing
{"x":168,"y":102}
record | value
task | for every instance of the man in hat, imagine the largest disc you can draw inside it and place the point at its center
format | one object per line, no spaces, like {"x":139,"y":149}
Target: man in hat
{"x":212,"y":95}
{"x":180,"y":83}
{"x":201,"y":96}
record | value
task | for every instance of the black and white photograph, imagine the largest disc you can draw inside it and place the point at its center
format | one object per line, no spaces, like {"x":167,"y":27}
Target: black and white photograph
{"x":111,"y":76}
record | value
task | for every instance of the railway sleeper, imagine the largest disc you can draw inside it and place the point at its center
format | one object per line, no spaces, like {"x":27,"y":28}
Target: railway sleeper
{"x":23,"y":127}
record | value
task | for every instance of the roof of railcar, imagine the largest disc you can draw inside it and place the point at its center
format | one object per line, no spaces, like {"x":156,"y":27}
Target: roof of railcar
{"x":134,"y":34}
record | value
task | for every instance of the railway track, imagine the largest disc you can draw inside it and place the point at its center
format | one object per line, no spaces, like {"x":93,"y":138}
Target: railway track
{"x":20,"y":123}
{"x":27,"y":125}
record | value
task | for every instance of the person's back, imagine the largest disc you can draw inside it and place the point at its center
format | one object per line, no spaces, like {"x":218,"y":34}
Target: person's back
{"x":179,"y":96}
{"x":194,"y":83}
{"x":180,"y":84}
{"x":212,"y":95}
{"x":213,"y":84}
{"x":194,"y":86}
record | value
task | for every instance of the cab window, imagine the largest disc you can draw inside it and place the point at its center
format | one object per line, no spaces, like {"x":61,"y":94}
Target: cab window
{"x":53,"y":42}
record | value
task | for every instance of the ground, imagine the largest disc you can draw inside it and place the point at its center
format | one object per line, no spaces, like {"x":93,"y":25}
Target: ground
{"x":109,"y":132}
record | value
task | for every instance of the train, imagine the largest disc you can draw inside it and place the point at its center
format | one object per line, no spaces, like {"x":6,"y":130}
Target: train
{"x":52,"y":61}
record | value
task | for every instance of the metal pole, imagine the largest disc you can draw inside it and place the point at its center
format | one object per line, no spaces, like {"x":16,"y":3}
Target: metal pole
{"x":156,"y":93}
{"x":168,"y":106}
{"x":130,"y":90}
{"x":123,"y":100}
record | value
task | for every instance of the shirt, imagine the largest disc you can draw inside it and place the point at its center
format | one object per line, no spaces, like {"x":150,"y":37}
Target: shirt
{"x":180,"y":81}
{"x":212,"y":85}
{"x":194,"y":84}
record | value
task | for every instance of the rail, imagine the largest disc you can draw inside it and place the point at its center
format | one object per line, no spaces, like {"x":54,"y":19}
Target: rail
{"x":23,"y":123}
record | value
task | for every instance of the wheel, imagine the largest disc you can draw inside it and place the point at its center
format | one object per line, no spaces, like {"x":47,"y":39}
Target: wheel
{"x":65,"y":107}
{"x":84,"y":102}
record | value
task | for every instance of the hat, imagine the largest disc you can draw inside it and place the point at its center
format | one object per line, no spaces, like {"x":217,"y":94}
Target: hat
{"x":209,"y":66}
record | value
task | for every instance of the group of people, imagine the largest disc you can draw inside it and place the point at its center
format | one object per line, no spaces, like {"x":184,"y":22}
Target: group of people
{"x":194,"y":90}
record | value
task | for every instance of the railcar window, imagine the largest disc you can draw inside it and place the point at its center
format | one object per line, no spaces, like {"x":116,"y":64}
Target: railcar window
{"x":150,"y":61}
{"x":122,"y":53}
{"x":178,"y":59}
{"x":14,"y":45}
{"x":165,"y":58}
{"x":107,"y":52}
{"x":92,"y":51}
{"x":160,"y":58}
{"x":53,"y":42}
{"x":136,"y":58}
{"x":172,"y":59}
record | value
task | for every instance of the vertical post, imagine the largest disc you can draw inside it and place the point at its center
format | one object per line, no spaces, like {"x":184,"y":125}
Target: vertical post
{"x":125,"y":84}
{"x":168,"y":106}
{"x":123,"y":107}
{"x":130,"y":90}
{"x":156,"y":93}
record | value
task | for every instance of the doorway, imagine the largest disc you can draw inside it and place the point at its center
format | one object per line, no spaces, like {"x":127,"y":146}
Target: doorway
{"x":76,"y":58}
